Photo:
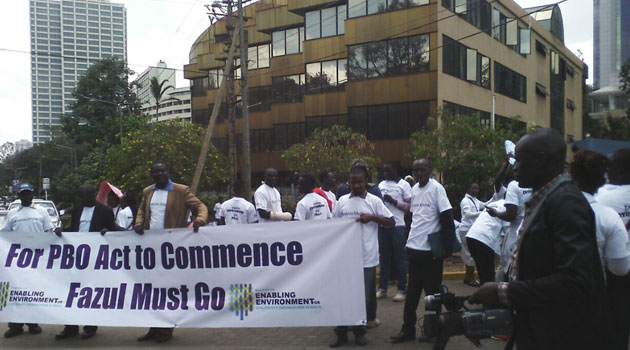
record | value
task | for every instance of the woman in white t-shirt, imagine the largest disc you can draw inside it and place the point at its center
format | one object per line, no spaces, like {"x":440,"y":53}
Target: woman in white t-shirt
{"x":588,"y":169}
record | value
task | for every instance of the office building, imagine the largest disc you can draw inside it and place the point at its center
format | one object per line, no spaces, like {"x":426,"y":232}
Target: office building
{"x":174,"y":104}
{"x":611,"y":49}
{"x":67,"y":36}
{"x":382,"y":67}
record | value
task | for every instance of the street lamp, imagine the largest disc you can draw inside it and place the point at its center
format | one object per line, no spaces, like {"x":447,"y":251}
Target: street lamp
{"x":118,"y":106}
{"x":74,"y":155}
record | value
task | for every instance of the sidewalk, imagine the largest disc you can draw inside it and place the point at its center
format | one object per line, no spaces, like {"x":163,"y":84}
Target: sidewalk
{"x":389,"y":313}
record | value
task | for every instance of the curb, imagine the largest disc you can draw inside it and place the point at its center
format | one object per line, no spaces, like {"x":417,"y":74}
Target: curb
{"x":455,"y":275}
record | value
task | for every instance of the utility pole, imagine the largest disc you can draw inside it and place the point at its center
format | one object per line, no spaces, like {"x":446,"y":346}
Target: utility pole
{"x":247,"y":167}
{"x":213,"y":117}
{"x":231,"y":97}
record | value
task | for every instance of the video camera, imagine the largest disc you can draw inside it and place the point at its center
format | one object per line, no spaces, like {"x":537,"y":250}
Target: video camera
{"x":459,"y":320}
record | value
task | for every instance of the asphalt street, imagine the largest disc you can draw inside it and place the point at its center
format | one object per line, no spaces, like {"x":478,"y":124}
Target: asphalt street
{"x":389,"y":313}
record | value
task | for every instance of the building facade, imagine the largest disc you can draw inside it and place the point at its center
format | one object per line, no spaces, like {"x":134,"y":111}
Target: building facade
{"x":67,"y":36}
{"x":383,"y":67}
{"x":611,"y":48}
{"x":175,"y":104}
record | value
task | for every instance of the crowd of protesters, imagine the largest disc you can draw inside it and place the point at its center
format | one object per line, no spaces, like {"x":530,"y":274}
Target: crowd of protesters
{"x":560,"y":232}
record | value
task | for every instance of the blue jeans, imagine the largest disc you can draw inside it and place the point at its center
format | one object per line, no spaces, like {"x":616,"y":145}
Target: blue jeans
{"x":391,"y":244}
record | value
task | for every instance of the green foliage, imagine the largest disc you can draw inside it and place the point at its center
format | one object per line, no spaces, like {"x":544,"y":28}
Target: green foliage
{"x":330,"y":149}
{"x":624,"y":77}
{"x":103,"y":100}
{"x":462,"y":151}
{"x":157,"y":91}
{"x":612,"y":128}
{"x":176,"y":144}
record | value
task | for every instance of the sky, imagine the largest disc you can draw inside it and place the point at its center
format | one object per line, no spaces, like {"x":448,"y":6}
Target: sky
{"x":165,"y":30}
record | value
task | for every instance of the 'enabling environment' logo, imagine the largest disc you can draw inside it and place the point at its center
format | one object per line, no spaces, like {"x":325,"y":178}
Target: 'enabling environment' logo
{"x":241,"y":299}
{"x":4,"y":294}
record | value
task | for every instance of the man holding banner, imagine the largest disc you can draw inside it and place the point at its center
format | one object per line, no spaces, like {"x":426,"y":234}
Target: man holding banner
{"x":371,"y":212}
{"x":27,"y":218}
{"x":89,"y":216}
{"x":167,"y":205}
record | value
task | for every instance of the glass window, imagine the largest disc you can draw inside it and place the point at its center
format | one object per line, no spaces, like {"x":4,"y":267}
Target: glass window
{"x":485,"y":71}
{"x":263,"y":56}
{"x":356,"y":8}
{"x":397,"y":56}
{"x":357,"y":56}
{"x":341,"y":18}
{"x":278,"y":43}
{"x":312,"y":25}
{"x":496,"y":24}
{"x":511,"y":37}
{"x":329,"y":22}
{"x":419,"y":53}
{"x":377,"y":59}
{"x":376,"y":6}
{"x":471,"y":64}
{"x":313,"y":77}
{"x":252,"y":57}
{"x":398,"y":116}
{"x":525,"y":45}
{"x":329,"y":75}
{"x":396,"y":4}
{"x":293,"y":41}
{"x":342,"y":76}
{"x":357,"y":119}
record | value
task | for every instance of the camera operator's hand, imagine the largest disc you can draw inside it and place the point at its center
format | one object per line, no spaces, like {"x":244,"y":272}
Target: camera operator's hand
{"x":487,"y":295}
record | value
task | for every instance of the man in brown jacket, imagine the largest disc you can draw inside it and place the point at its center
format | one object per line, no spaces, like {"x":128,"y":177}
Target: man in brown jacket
{"x":167,"y":205}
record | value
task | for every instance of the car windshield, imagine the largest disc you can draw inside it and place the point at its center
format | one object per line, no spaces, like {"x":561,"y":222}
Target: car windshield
{"x":48,"y":206}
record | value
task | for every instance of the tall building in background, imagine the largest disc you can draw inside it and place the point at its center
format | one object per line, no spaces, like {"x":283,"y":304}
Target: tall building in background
{"x":174,"y":104}
{"x":611,"y":48}
{"x":67,"y":36}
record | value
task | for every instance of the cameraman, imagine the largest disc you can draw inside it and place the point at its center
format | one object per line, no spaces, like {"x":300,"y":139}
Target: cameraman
{"x":556,"y":279}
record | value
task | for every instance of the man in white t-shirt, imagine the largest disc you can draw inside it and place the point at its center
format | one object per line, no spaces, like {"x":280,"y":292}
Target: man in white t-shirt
{"x":618,"y":198}
{"x":237,"y":210}
{"x":369,"y":210}
{"x":217,"y":209}
{"x":328,"y":181}
{"x":431,"y":213}
{"x":312,"y":206}
{"x":612,"y":224}
{"x":391,"y":240}
{"x":27,"y":218}
{"x":124,"y":216}
{"x":483,"y":240}
{"x":268,"y":201}
{"x":515,"y":199}
{"x":470,"y":208}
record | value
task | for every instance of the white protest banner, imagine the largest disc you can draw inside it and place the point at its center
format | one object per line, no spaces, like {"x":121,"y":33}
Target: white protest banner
{"x":261,"y":275}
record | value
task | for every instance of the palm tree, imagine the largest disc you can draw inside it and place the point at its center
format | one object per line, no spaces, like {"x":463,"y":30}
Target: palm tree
{"x":158,"y":90}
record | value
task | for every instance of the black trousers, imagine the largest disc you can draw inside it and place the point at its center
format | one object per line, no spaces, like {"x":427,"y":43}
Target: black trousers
{"x":619,"y":300}
{"x":484,"y":259}
{"x":85,"y":328}
{"x":13,"y":325}
{"x":425,"y":273}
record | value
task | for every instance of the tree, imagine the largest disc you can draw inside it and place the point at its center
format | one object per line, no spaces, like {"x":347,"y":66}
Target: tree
{"x":157,"y":91}
{"x":331,"y":149}
{"x":624,"y":78}
{"x":103,"y":100}
{"x":462,"y":151}
{"x":176,"y":144}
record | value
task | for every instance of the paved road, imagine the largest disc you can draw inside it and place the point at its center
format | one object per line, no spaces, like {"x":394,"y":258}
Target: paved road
{"x":389,"y":313}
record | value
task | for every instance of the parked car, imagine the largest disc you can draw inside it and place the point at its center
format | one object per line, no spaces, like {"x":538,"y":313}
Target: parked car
{"x":49,"y":206}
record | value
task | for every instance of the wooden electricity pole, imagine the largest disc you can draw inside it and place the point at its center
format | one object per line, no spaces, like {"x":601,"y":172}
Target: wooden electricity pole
{"x":213,"y":117}
{"x":246,"y":170}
